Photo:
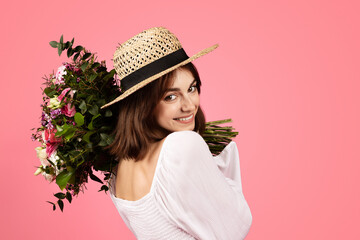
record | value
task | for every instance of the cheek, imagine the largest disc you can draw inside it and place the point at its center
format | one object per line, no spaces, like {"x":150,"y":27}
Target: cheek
{"x":164,"y":112}
{"x":196,"y":100}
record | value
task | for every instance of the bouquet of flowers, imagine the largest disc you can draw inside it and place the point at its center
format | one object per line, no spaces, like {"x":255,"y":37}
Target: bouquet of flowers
{"x":75,"y":132}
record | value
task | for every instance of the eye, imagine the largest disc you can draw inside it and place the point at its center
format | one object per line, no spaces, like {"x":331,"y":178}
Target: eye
{"x":192,"y":88}
{"x":170,"y":98}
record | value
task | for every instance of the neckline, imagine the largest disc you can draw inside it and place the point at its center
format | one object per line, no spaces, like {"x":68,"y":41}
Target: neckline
{"x":146,"y":196}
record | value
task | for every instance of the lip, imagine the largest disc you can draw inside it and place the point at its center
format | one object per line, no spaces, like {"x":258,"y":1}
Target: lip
{"x":187,"y":121}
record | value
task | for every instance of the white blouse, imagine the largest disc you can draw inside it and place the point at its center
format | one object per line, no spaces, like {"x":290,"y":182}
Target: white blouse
{"x":193,"y":194}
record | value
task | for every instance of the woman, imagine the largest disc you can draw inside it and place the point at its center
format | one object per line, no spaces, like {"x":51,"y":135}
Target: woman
{"x":167,"y":184}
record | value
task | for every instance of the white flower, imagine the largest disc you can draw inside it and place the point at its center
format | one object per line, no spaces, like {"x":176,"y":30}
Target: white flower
{"x":41,"y":154}
{"x":55,"y":158}
{"x":38,"y":171}
{"x":54,"y":103}
{"x":48,"y":177}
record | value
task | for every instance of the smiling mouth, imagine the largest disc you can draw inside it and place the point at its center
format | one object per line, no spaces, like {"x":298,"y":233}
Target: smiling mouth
{"x":185,"y":119}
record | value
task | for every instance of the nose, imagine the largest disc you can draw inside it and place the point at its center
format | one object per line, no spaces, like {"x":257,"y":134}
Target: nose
{"x":187,"y":104}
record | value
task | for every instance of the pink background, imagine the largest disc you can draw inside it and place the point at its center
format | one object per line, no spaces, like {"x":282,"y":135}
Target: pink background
{"x":286,"y":72}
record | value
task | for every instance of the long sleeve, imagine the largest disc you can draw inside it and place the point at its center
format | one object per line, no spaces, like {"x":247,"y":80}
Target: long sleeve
{"x":195,"y":194}
{"x":228,"y":163}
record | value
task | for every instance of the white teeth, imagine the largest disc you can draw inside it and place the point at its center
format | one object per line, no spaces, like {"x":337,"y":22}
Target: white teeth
{"x":184,"y":119}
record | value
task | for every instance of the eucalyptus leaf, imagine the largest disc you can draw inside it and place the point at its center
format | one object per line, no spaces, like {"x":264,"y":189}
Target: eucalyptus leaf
{"x":69,"y":52}
{"x":59,"y":48}
{"x":53,"y":44}
{"x":67,"y":45}
{"x":60,"y":195}
{"x":94,"y":110}
{"x":95,"y":178}
{"x":106,"y":138}
{"x":84,"y":66}
{"x":92,"y":77}
{"x":101,"y":102}
{"x":76,"y":56}
{"x":82,"y":107}
{"x":53,"y":204}
{"x":95,"y":65}
{"x":91,"y":124}
{"x":89,"y":99}
{"x":103,"y":143}
{"x":87,"y":136}
{"x":68,"y":195}
{"x":86,"y":55}
{"x":108,"y":113}
{"x":78,"y":48}
{"x":61,"y":204}
{"x":49,"y":92}
{"x":104,"y":188}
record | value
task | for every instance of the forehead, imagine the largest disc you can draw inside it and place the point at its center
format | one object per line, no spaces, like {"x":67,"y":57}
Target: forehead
{"x":182,"y":77}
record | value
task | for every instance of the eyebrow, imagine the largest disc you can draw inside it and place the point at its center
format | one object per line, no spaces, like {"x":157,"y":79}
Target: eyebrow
{"x":178,"y":89}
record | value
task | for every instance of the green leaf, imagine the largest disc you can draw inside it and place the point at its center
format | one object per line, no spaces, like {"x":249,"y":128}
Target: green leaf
{"x":54,"y":206}
{"x":63,"y":178}
{"x":89,"y":99}
{"x":79,"y":119}
{"x":86,"y":137}
{"x":86,"y":55}
{"x":95,"y":65}
{"x":61,"y":39}
{"x":67,"y":45}
{"x":61,"y":204}
{"x":104,"y":188}
{"x":62,"y":130}
{"x":94,"y":110}
{"x":59,"y":49}
{"x":72,"y":41}
{"x":105,"y":139}
{"x":68,"y":195}
{"x":53,"y":44}
{"x":91,"y":126}
{"x":95,"y":178}
{"x":49,"y":92}
{"x":60,"y":195}
{"x":92,"y":77}
{"x":108,"y":113}
{"x":59,"y":129}
{"x":69,"y":52}
{"x":84,"y":66}
{"x":70,"y":133}
{"x":78,"y":48}
{"x":83,"y":107}
{"x":76,"y":56}
{"x":101,"y":102}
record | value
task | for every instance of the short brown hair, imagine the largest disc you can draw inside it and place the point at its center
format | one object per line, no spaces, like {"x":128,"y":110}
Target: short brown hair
{"x":136,"y":124}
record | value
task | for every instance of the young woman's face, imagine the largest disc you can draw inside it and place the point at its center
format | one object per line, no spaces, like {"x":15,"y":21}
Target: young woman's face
{"x":177,"y":108}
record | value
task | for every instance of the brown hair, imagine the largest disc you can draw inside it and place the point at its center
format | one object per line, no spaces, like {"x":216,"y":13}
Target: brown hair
{"x":136,"y":124}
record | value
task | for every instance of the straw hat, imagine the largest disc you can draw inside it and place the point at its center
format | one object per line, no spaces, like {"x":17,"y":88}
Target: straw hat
{"x":148,"y":56}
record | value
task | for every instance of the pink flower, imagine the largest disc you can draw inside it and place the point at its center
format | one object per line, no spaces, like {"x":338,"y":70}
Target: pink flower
{"x":51,"y":148}
{"x":63,"y":93}
{"x":59,"y":75}
{"x":49,"y":137}
{"x":51,"y":141}
{"x":68,"y":110}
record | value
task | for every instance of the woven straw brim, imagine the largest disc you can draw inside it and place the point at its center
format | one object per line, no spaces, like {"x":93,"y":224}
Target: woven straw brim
{"x":156,"y":76}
